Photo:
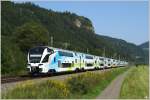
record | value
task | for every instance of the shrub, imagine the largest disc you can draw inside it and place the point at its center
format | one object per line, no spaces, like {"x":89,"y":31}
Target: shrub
{"x":13,"y":60}
{"x":136,"y":84}
{"x":81,"y":84}
{"x":48,"y":89}
{"x":85,"y":85}
{"x":90,"y":84}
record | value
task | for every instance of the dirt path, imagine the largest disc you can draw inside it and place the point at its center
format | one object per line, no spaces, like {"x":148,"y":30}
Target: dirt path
{"x":112,"y":91}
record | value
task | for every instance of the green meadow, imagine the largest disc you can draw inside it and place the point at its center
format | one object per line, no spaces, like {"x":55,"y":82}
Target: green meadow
{"x":87,"y":85}
{"x":136,"y":84}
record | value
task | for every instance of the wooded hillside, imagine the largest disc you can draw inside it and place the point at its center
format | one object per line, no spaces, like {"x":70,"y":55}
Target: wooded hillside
{"x":26,"y":25}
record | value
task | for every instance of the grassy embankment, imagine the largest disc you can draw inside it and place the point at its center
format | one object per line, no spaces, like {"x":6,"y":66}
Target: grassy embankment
{"x":86,"y":85}
{"x":136,"y":84}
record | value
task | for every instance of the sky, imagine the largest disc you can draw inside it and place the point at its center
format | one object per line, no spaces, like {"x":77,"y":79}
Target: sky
{"x":127,"y":20}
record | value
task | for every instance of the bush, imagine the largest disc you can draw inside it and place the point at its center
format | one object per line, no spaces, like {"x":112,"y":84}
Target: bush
{"x":13,"y":60}
{"x":30,"y":34}
{"x":89,"y":84}
{"x":85,"y":85}
{"x":136,"y":84}
{"x":45,"y":90}
{"x":57,"y":89}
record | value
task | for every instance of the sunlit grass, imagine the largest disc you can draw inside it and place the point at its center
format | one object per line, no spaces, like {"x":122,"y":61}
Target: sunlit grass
{"x":86,"y":85}
{"x":136,"y":84}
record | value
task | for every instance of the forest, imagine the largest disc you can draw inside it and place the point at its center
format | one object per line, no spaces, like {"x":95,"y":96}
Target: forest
{"x":25,"y":25}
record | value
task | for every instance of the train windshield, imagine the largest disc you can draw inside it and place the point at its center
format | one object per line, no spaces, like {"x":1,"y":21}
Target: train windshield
{"x":35,"y":59}
{"x":102,"y":59}
{"x":35,"y":54}
{"x":37,"y":50}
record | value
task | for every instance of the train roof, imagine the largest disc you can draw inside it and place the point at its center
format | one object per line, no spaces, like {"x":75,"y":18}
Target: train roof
{"x":78,"y":53}
{"x":57,"y":49}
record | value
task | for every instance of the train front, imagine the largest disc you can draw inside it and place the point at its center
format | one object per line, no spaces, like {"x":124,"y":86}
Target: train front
{"x":38,"y":60}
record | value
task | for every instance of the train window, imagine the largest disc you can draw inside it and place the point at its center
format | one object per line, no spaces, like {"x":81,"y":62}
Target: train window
{"x":89,"y":57}
{"x":75,"y":54}
{"x":72,"y":63}
{"x":35,"y":59}
{"x":101,"y":64}
{"x":67,"y":54}
{"x":46,"y":58}
{"x":89,"y":64}
{"x":101,"y":59}
{"x":65,"y":65}
{"x":50,"y":50}
{"x":59,"y":63}
{"x":37,"y":50}
{"x":54,"y":59}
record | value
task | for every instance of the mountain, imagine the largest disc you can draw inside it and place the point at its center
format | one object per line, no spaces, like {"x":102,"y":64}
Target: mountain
{"x":25,"y":25}
{"x":144,"y":45}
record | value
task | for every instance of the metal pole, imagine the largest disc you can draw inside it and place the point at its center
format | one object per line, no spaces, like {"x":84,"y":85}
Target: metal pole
{"x":104,"y":58}
{"x":66,"y":45}
{"x":51,"y":41}
{"x":104,"y":52}
{"x":114,"y":55}
{"x":48,"y":38}
{"x":87,"y":50}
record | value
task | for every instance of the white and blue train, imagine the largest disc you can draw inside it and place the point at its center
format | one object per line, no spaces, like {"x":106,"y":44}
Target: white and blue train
{"x":44,"y":59}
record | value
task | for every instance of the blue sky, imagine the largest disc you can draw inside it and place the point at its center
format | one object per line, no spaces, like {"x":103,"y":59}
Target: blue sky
{"x":126,"y":20}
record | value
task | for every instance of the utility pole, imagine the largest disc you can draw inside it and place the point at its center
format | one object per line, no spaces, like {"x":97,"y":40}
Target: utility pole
{"x":104,"y":52}
{"x":51,"y":41}
{"x":48,"y":35}
{"x":66,"y":45}
{"x":114,"y":55}
{"x":87,"y":50}
{"x":104,"y":58}
{"x":119,"y":57}
{"x":20,"y":11}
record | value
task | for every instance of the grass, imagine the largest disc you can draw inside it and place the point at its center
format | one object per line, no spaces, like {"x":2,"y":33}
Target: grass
{"x":15,"y":73}
{"x":31,"y":90}
{"x":136,"y":84}
{"x":104,"y":80}
{"x":86,"y":85}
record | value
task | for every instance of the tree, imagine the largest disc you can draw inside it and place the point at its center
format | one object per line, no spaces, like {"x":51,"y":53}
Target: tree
{"x":31,"y":34}
{"x":12,"y":59}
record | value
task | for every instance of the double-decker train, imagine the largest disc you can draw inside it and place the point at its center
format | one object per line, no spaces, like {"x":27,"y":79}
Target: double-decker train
{"x":44,"y":59}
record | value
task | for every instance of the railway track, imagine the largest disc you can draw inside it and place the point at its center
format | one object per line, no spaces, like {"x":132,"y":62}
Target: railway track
{"x":10,"y":79}
{"x":29,"y":77}
{"x":13,"y":79}
{"x":9,"y":83}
